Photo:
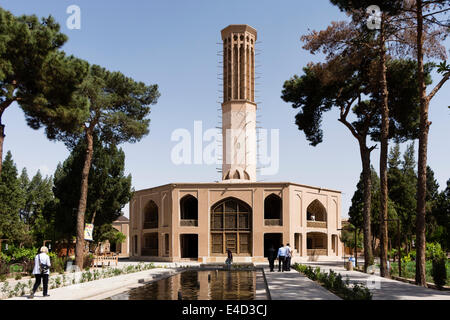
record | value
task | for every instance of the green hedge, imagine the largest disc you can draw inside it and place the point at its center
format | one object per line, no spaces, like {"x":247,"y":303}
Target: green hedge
{"x":333,"y":282}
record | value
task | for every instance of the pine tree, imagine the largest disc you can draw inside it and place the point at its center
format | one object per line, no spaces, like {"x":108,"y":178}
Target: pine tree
{"x":36,"y":75}
{"x":12,"y":199}
{"x":108,"y":188}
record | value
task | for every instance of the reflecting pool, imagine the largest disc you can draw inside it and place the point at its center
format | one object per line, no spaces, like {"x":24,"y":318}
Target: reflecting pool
{"x":197,"y":285}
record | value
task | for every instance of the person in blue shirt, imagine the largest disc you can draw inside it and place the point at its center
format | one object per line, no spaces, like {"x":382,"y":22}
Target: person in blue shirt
{"x":281,"y":258}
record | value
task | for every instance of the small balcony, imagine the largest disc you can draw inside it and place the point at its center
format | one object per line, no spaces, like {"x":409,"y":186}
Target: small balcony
{"x":189,"y":223}
{"x":272,"y":222}
{"x":316,"y":224}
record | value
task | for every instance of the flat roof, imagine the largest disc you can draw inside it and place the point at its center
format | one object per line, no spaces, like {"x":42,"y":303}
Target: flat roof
{"x":234,"y":184}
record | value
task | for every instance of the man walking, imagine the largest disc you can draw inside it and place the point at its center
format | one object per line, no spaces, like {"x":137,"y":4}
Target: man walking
{"x":271,"y":256}
{"x":288,"y":257}
{"x":281,"y":258}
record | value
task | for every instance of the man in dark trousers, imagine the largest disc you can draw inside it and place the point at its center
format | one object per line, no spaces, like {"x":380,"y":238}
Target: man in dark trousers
{"x":271,"y":255}
{"x":281,"y":258}
{"x":288,"y":258}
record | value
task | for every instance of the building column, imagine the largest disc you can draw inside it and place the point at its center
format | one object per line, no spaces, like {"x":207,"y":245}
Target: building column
{"x":304,"y":244}
{"x":329,"y":248}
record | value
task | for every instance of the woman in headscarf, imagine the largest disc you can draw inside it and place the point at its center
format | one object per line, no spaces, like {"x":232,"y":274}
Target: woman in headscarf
{"x":41,"y":271}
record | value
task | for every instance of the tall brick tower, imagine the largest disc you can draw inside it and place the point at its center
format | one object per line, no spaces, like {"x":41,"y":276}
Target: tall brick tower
{"x":239,"y":107}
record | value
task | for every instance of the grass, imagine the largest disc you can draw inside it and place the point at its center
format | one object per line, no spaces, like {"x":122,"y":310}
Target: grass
{"x":409,"y":271}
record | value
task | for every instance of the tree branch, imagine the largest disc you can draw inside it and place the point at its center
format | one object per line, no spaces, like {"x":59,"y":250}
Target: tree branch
{"x":438,"y":86}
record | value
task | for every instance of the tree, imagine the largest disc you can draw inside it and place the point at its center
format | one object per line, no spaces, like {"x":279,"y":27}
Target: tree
{"x":402,"y":182}
{"x":386,"y":30}
{"x":356,"y":212}
{"x":427,"y":14}
{"x":107,"y":193}
{"x":35,"y":74}
{"x":107,"y":232}
{"x":11,"y":200}
{"x":38,"y":198}
{"x":343,"y":82}
{"x":440,"y":219}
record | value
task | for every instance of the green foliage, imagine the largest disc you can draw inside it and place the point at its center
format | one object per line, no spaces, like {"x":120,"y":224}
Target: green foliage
{"x":434,"y":251}
{"x":107,"y":232}
{"x":58,"y":264}
{"x":356,"y":209}
{"x":21,"y":254}
{"x":438,"y":271}
{"x":11,"y":200}
{"x":108,"y":190}
{"x":36,"y":74}
{"x":348,"y":238}
{"x":36,"y":212}
{"x":438,"y":226}
{"x":334,"y":283}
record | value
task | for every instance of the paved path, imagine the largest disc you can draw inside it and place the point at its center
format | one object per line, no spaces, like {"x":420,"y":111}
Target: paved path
{"x":292,"y":285}
{"x":103,"y":288}
{"x":383,"y":288}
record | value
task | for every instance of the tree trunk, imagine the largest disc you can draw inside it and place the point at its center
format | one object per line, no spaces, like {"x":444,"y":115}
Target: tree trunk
{"x":5,"y":104}
{"x":2,"y":138}
{"x":384,"y":272}
{"x":79,"y":250}
{"x":367,"y":182}
{"x":422,"y":159}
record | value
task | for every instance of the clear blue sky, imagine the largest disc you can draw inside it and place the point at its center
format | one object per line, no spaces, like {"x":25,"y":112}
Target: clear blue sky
{"x":174,"y":44}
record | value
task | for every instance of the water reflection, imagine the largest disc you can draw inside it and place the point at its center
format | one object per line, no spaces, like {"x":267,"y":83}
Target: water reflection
{"x":197,"y":285}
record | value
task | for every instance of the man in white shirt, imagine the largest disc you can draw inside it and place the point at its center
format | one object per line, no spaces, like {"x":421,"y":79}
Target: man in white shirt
{"x":281,"y":258}
{"x":288,"y":257}
{"x":41,"y":271}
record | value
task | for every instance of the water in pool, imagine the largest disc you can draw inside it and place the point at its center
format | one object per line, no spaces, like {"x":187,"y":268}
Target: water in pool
{"x":197,"y":285}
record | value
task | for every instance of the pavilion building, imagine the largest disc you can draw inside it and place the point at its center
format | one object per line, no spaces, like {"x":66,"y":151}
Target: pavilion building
{"x":199,"y":221}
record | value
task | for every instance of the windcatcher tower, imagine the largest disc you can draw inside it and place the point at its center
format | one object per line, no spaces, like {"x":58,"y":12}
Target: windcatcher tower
{"x":239,"y":107}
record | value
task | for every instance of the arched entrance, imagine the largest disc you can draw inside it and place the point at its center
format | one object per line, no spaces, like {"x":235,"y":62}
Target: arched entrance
{"x":231,"y":225}
{"x":150,"y":215}
{"x":272,"y":240}
{"x":273,"y":209}
{"x":189,"y":246}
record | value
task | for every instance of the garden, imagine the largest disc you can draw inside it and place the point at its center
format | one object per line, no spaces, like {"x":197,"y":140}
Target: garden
{"x":334,"y":283}
{"x":17,"y":262}
{"x":437,"y":265}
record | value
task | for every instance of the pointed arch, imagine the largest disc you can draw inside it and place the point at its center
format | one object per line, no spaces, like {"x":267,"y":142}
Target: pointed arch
{"x":151,"y":215}
{"x":316,"y":211}
{"x":231,"y":225}
{"x":189,"y":207}
{"x":273,"y":207}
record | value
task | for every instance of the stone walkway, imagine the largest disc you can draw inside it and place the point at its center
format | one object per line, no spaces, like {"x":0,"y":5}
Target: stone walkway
{"x":292,"y":285}
{"x":383,"y":288}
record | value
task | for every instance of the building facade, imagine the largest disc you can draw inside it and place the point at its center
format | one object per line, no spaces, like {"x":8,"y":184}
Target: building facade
{"x":200,"y":221}
{"x":122,"y":224}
